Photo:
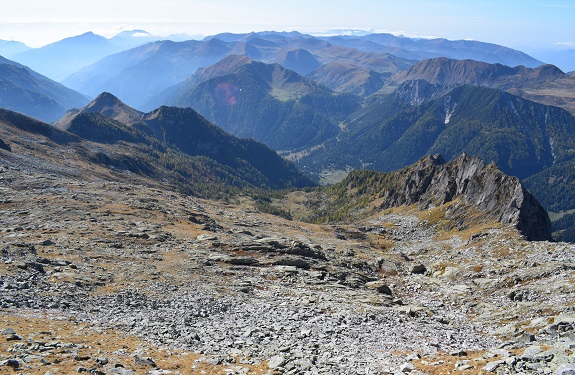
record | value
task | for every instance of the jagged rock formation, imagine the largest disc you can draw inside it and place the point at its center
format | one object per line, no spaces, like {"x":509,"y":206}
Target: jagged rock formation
{"x":432,"y":182}
{"x":466,"y":183}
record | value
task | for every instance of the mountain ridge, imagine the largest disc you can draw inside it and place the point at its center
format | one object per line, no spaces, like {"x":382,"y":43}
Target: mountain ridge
{"x":420,"y":49}
{"x":521,"y":136}
{"x":31,"y":93}
{"x":545,"y":84}
{"x":178,"y":134}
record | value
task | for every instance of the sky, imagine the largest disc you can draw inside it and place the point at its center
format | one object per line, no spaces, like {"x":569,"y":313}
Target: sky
{"x":522,"y":24}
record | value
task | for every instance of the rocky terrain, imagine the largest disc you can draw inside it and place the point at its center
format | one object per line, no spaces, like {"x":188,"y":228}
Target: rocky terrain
{"x":105,"y":277}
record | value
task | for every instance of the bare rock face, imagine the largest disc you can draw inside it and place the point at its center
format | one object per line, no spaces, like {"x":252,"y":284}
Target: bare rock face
{"x":416,"y":92}
{"x":5,"y":146}
{"x":468,"y":182}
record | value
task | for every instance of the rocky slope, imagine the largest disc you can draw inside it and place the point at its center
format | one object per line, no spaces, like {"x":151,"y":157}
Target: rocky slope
{"x":137,"y":280}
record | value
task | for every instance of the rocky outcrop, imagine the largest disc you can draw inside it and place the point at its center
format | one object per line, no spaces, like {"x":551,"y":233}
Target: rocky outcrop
{"x":418,"y":91}
{"x":468,"y":191}
{"x":5,"y":146}
{"x":470,"y":184}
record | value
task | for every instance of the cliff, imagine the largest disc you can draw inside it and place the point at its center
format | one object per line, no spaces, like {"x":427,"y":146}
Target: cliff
{"x":467,"y":183}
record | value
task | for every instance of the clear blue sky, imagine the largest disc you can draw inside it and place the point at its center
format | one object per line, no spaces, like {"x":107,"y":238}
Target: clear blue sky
{"x":514,"y":23}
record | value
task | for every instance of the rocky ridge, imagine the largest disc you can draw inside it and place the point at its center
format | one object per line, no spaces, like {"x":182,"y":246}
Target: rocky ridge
{"x":463,"y":187}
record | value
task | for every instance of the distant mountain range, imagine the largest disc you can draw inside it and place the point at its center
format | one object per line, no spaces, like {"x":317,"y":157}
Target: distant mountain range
{"x":420,"y":49}
{"x":140,"y":73}
{"x":60,"y":59}
{"x":26,"y":91}
{"x":137,"y":75}
{"x":266,"y":102}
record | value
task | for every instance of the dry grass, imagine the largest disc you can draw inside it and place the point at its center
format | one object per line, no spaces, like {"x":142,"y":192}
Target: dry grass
{"x":94,"y":342}
{"x":381,"y":243}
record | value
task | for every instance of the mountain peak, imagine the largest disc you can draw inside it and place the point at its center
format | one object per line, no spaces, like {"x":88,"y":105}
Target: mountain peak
{"x":299,"y":60}
{"x":103,"y":100}
{"x":548,"y":71}
{"x":87,"y":36}
{"x":106,"y":104}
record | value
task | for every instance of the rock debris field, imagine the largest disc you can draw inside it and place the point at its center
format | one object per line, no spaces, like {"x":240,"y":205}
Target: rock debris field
{"x":103,"y":277}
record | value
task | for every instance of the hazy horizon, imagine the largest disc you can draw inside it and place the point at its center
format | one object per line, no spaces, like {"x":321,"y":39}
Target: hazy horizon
{"x":530,"y":25}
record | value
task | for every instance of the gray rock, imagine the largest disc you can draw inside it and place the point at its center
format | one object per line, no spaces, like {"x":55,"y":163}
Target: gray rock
{"x":121,"y":371}
{"x":139,"y":361}
{"x":380,"y":287}
{"x":526,"y":337}
{"x":492,"y":366}
{"x":294,"y":262}
{"x":568,"y":369}
{"x":14,"y":363}
{"x":459,"y":353}
{"x":531,"y":353}
{"x":406,"y":367}
{"x":103,"y":361}
{"x":241,"y":261}
{"x":13,"y":337}
{"x":418,"y":269}
{"x":276,"y":361}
